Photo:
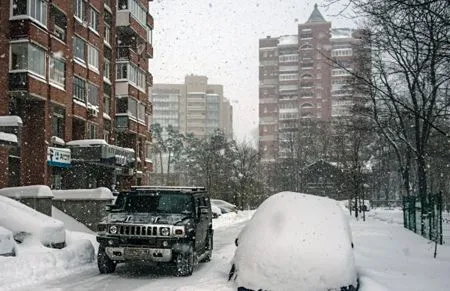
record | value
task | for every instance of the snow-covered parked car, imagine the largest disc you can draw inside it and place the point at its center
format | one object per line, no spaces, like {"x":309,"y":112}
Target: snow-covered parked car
{"x":7,"y":243}
{"x":295,"y":241}
{"x":224,"y":206}
{"x":24,"y":222}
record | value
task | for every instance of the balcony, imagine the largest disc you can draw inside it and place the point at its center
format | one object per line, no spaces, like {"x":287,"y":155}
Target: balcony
{"x":31,"y":85}
{"x":127,"y":53}
{"x":128,"y":124}
{"x":127,"y":23}
{"x":18,"y":81}
{"x":149,"y":79}
{"x":150,"y":21}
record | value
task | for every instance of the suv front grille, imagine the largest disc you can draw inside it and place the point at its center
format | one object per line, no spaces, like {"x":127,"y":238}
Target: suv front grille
{"x":138,"y":230}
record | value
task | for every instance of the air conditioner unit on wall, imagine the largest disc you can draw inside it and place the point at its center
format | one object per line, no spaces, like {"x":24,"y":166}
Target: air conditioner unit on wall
{"x":92,"y":112}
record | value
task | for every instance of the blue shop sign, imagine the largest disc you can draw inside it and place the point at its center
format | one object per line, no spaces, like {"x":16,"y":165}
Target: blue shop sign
{"x":58,"y":157}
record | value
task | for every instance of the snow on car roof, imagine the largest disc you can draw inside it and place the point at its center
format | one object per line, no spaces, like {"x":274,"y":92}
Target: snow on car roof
{"x":296,"y":241}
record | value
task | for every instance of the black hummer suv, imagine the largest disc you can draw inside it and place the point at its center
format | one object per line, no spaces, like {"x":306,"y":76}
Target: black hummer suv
{"x":157,"y":224}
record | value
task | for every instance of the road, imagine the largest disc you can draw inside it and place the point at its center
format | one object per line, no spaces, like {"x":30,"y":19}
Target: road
{"x":206,"y":276}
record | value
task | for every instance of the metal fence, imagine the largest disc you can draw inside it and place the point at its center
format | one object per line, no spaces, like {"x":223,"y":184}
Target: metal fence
{"x":423,"y":215}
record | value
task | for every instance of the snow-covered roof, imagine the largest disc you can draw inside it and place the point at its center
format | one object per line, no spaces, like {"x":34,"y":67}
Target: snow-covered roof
{"x":101,"y":193}
{"x":41,"y":191}
{"x":20,"y":218}
{"x":288,"y":40}
{"x":306,"y":242}
{"x":8,"y":137}
{"x":87,"y":142}
{"x":10,"y":120}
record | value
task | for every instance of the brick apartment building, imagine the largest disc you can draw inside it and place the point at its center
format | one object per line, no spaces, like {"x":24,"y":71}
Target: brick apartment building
{"x":299,"y":82}
{"x":76,"y":73}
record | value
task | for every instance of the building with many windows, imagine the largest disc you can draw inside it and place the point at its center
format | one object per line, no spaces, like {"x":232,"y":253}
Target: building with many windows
{"x":76,"y":73}
{"x":300,"y":79}
{"x":193,"y":107}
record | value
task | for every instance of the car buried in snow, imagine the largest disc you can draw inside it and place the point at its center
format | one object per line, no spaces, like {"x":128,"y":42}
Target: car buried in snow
{"x":295,"y":241}
{"x":170,"y":226}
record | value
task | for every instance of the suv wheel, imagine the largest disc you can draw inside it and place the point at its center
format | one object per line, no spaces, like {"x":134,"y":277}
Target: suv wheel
{"x":208,"y":248}
{"x":185,"y":263}
{"x":105,"y":264}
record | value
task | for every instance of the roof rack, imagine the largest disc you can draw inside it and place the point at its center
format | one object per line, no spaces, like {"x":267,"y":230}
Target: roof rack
{"x":170,"y":188}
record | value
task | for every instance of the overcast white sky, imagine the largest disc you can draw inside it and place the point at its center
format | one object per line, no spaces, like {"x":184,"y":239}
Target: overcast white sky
{"x":219,"y":39}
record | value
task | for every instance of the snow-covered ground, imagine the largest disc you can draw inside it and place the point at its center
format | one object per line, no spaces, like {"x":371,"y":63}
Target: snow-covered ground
{"x":388,"y":257}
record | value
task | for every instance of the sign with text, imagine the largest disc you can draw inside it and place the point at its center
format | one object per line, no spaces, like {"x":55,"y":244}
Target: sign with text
{"x":58,"y":157}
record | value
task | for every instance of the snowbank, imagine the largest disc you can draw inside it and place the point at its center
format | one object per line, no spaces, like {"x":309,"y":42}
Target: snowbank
{"x":296,"y":241}
{"x":35,"y":263}
{"x":101,"y":193}
{"x":232,"y":218}
{"x":41,"y":191}
{"x":20,"y":218}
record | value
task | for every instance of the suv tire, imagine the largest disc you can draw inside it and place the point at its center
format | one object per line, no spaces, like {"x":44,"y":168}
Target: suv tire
{"x":105,"y":264}
{"x":184,"y":263}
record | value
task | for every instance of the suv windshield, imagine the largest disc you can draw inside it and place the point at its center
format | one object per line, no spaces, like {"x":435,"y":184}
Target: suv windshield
{"x":151,"y":202}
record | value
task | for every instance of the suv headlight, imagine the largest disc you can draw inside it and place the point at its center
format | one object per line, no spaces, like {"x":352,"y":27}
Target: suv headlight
{"x":113,"y":229}
{"x":164,"y":231}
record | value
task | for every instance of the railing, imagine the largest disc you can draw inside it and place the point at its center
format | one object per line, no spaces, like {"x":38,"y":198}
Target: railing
{"x":18,"y":81}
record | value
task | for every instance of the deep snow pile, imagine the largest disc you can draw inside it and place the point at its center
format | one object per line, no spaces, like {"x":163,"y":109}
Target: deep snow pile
{"x":389,"y":255}
{"x":232,"y":218}
{"x":35,"y":263}
{"x":18,"y":218}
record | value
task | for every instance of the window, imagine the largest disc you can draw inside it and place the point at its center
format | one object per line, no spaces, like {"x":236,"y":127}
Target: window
{"x":106,"y":69}
{"x":132,"y":107}
{"x":28,"y":57}
{"x":107,"y":104}
{"x":93,"y":57}
{"x":59,"y":23}
{"x":288,"y":58}
{"x":149,"y":35}
{"x":131,"y":73}
{"x":122,"y":69}
{"x":78,"y":49}
{"x":141,"y":112}
{"x":137,"y":11}
{"x":93,"y":19}
{"x":108,"y":23}
{"x":93,"y":95}
{"x":107,"y":98}
{"x":91,"y":130}
{"x":36,"y":9}
{"x":58,"y":122}
{"x":79,"y":89}
{"x":78,"y":7}
{"x":57,"y":69}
